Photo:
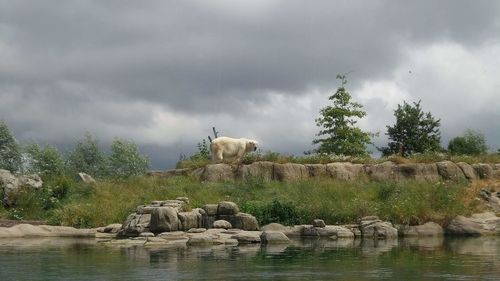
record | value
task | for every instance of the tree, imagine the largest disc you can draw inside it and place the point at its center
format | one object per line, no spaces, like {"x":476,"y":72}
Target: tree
{"x":87,"y":157}
{"x":125,"y":160}
{"x":414,"y":131}
{"x":471,"y":143}
{"x":10,"y":155}
{"x":339,"y":134}
{"x":46,"y":161}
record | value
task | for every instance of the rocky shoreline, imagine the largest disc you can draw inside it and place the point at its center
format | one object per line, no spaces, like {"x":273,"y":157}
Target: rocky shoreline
{"x":269,"y":171}
{"x":170,"y":223}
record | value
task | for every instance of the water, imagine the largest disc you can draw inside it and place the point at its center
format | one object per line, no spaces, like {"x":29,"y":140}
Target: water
{"x":417,"y":259}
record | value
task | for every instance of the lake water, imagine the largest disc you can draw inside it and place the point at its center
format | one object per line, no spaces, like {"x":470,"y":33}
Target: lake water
{"x":417,"y":259}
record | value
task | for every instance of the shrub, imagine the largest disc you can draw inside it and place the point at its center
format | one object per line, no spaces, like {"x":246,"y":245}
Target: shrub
{"x":125,"y":160}
{"x":471,"y":143}
{"x":45,"y":161}
{"x":87,"y":157}
{"x":284,"y":212}
{"x":10,"y":155}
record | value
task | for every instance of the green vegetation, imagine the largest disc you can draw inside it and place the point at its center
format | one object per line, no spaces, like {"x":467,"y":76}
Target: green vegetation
{"x":414,"y":132}
{"x":125,"y":160}
{"x":87,"y":157}
{"x":338,"y":123}
{"x":62,"y":201}
{"x":471,"y":143}
{"x":46,"y":161}
{"x":10,"y":155}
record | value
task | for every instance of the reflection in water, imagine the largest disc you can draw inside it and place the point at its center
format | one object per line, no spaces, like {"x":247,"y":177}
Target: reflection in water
{"x":312,"y":259}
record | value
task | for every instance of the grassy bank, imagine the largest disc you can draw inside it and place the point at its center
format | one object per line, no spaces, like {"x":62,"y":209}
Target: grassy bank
{"x":65,"y":202}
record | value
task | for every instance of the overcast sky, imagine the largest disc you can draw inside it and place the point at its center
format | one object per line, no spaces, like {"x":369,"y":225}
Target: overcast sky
{"x":162,"y":73}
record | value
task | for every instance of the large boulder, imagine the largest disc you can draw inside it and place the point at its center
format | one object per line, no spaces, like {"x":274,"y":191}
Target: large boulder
{"x":415,"y":171}
{"x":483,"y":171}
{"x":218,"y":172}
{"x":86,"y":178}
{"x":427,"y":229}
{"x":345,"y":171}
{"x":290,"y":172}
{"x":274,"y":237}
{"x":450,"y":171}
{"x":11,"y":184}
{"x":164,"y":219}
{"x":468,"y":170}
{"x":262,"y":170}
{"x":135,"y":225}
{"x":227,"y":208}
{"x":188,"y":220}
{"x":486,"y":223}
{"x":242,"y":221}
{"x":380,"y":172}
{"x":317,"y":170}
{"x":373,"y":227}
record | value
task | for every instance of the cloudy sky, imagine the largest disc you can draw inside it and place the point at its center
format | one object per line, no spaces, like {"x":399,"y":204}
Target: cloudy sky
{"x":162,"y":73}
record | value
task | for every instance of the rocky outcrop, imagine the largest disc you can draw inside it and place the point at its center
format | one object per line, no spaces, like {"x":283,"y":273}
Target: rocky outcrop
{"x":28,"y":230}
{"x":10,"y":184}
{"x":387,"y":171}
{"x":86,"y":178}
{"x":173,"y":215}
{"x":486,"y":223}
{"x":373,"y":227}
{"x":274,"y":237}
{"x":424,"y":230}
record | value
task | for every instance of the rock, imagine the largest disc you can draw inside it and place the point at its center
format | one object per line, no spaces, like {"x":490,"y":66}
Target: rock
{"x":483,"y":171}
{"x":28,"y":230}
{"x":486,"y":223}
{"x":247,"y":237}
{"x":211,"y":209}
{"x":190,"y":220}
{"x":183,"y":199}
{"x":135,"y":224}
{"x":112,"y":228}
{"x":10,"y":184}
{"x":197,"y":230}
{"x":415,"y":171}
{"x":317,"y":170}
{"x":218,"y":172}
{"x":427,"y":229}
{"x":372,"y":227}
{"x":345,"y":171}
{"x":319,"y":223}
{"x":381,"y":172}
{"x":468,"y":170}
{"x":147,"y":234}
{"x":164,"y":219}
{"x":262,"y":170}
{"x":222,"y":224}
{"x":245,"y":221}
{"x":32,"y":181}
{"x":327,"y":231}
{"x":227,"y":208}
{"x":274,"y":227}
{"x":274,"y":237}
{"x":200,"y":240}
{"x":86,"y":178}
{"x":450,"y":171}
{"x":175,"y":235}
{"x":290,"y":172}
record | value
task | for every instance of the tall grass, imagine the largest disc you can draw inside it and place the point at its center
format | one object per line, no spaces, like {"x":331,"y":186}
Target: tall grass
{"x":289,"y":203}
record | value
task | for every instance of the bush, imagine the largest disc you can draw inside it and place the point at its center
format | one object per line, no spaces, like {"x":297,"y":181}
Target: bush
{"x":471,"y":143}
{"x":125,"y":160}
{"x":46,"y":161}
{"x":87,"y":157}
{"x":284,"y":212}
{"x":10,"y":155}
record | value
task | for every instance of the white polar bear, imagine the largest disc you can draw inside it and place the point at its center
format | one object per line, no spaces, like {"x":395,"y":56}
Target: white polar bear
{"x":230,"y":149}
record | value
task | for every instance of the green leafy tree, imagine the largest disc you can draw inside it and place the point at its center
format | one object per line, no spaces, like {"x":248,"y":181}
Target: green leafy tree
{"x":10,"y":155}
{"x":414,"y":131}
{"x":46,"y":161}
{"x":125,"y":160}
{"x":471,"y":143}
{"x":203,"y":152}
{"x":87,"y":157}
{"x":339,"y":134}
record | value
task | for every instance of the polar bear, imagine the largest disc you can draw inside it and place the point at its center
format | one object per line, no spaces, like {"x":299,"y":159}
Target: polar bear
{"x":230,"y":149}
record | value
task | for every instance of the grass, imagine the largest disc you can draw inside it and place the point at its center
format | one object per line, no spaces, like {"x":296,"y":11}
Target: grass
{"x":298,"y":202}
